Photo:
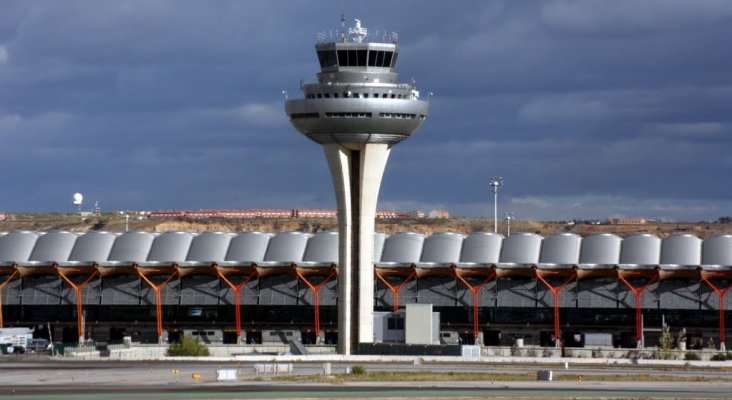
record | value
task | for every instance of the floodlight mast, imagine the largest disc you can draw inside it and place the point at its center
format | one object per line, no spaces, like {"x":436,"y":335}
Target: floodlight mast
{"x":357,"y":110}
{"x":495,"y":184}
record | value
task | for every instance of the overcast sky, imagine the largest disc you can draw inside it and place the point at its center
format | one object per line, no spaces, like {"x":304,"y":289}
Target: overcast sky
{"x":588,"y":109}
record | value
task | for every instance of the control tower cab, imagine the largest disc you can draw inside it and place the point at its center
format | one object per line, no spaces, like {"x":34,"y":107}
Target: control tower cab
{"x":357,"y":98}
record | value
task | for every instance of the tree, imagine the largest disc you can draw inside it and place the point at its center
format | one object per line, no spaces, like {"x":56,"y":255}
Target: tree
{"x":667,"y":342}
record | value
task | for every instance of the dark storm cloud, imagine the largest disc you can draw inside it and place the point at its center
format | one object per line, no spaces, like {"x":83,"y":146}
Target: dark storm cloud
{"x":588,"y":109}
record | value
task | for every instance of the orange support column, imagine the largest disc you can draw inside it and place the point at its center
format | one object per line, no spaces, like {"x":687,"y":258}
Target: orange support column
{"x":395,"y":288}
{"x":64,"y":273}
{"x":2,"y":285}
{"x":301,"y":272}
{"x":652,"y":276}
{"x":721,"y":292}
{"x":569,"y":275}
{"x":236,"y":287}
{"x":143,"y":272}
{"x":475,"y":289}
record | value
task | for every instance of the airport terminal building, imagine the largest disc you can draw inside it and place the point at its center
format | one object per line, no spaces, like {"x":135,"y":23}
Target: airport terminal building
{"x":255,"y":287}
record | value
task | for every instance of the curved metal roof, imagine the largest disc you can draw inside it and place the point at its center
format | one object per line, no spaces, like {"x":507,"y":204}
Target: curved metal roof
{"x":442,"y":247}
{"x":482,"y":248}
{"x":17,"y":246}
{"x":641,"y":249}
{"x":403,"y":247}
{"x":521,"y":250}
{"x":54,"y":246}
{"x":93,"y":246}
{"x":682,"y":249}
{"x":248,"y":246}
{"x":560,"y":248}
{"x":170,"y":247}
{"x":602,"y":248}
{"x":132,"y":247}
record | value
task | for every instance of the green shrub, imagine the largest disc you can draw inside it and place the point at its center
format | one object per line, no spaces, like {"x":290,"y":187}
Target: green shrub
{"x":358,"y":370}
{"x":719,"y":357}
{"x":188,"y":346}
{"x":691,"y":356}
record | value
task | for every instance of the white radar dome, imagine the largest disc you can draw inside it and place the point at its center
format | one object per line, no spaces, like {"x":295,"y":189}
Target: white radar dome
{"x":78,"y":198}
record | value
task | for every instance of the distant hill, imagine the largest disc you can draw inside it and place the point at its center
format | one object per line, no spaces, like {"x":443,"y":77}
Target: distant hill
{"x":115,"y":222}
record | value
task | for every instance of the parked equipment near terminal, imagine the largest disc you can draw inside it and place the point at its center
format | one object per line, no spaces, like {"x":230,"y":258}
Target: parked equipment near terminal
{"x":38,"y":345}
{"x":15,"y":340}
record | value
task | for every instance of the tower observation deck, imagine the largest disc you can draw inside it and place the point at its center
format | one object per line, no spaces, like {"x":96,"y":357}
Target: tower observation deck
{"x":357,"y":98}
{"x":357,"y":110}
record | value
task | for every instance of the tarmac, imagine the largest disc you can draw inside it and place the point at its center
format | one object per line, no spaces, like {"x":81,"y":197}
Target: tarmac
{"x":68,"y":379}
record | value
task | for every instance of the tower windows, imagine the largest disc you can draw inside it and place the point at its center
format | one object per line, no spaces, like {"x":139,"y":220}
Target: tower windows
{"x":398,"y":115}
{"x":352,"y":58}
{"x":327,"y":59}
{"x":379,"y":58}
{"x":348,"y":114}
{"x":304,"y":115}
{"x":387,"y":58}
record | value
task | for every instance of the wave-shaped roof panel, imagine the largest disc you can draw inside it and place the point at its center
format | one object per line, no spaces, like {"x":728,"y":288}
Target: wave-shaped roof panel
{"x":482,"y":247}
{"x":717,"y":250}
{"x":601,"y":248}
{"x":248,"y":246}
{"x":287,"y":247}
{"x":444,"y":247}
{"x":521,"y":248}
{"x":209,"y":246}
{"x":132,"y":247}
{"x":17,"y":246}
{"x":379,"y":240}
{"x":54,"y":246}
{"x":93,"y":246}
{"x":641,"y":249}
{"x":683,"y":249}
{"x":403,"y":247}
{"x":322,"y":247}
{"x":170,"y":247}
{"x":561,"y":248}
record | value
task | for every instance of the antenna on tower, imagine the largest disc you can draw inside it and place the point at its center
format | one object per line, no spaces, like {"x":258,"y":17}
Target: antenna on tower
{"x":358,"y":32}
{"x":343,"y":27}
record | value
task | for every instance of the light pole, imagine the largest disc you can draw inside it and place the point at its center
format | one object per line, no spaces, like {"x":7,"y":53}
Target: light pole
{"x":508,"y":217}
{"x":495,"y":184}
{"x":126,"y":214}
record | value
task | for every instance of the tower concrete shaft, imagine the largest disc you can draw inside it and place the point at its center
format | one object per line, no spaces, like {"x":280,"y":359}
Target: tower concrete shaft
{"x":356,"y":174}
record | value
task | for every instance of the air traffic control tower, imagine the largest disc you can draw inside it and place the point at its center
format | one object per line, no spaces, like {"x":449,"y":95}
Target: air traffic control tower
{"x":357,"y":111}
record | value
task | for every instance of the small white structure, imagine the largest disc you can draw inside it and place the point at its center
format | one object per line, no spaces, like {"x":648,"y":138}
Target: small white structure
{"x":470,"y":351}
{"x":418,"y":324}
{"x":225,"y":375}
